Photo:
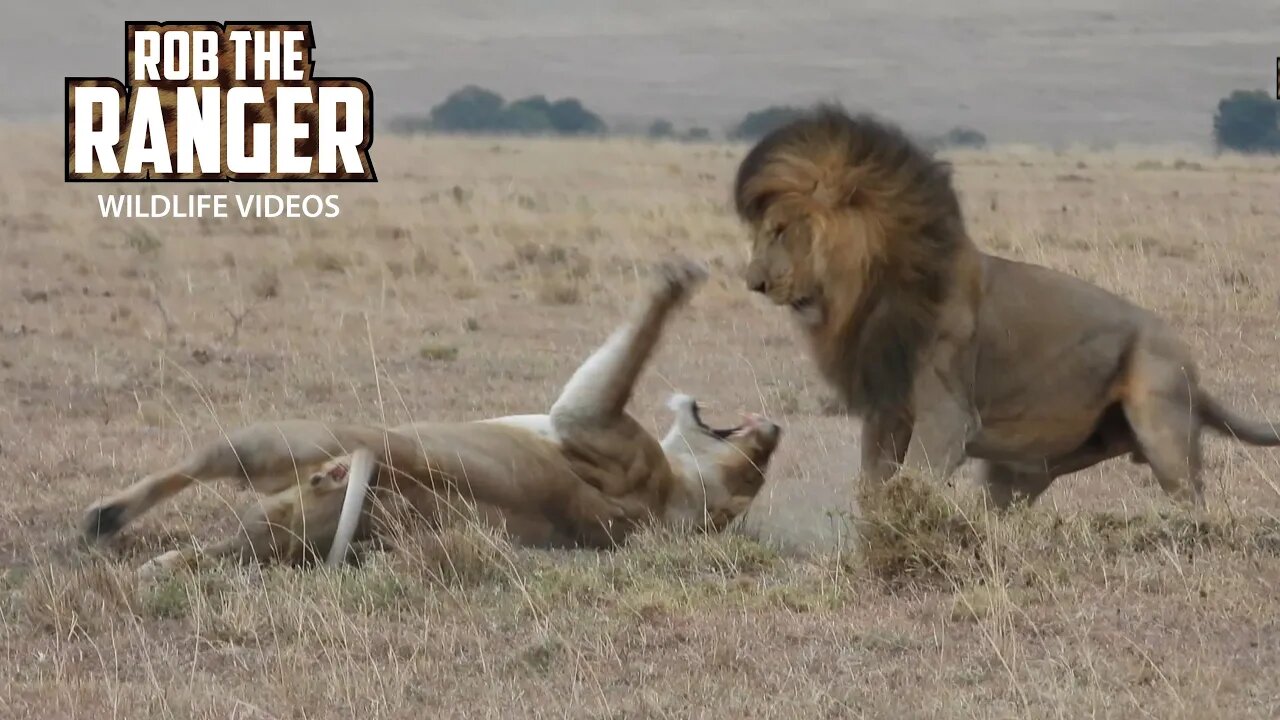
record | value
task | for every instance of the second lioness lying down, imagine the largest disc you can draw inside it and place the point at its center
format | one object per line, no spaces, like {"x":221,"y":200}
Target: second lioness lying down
{"x":585,"y":474}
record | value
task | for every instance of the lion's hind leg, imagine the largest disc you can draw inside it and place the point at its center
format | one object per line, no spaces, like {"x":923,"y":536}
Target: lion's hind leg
{"x":1159,"y":403}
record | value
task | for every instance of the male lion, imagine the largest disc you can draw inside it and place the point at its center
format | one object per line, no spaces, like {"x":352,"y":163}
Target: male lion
{"x":946,"y":352}
{"x":586,"y":474}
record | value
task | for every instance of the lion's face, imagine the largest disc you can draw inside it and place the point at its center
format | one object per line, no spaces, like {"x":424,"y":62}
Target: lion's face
{"x":785,"y":258}
{"x":728,"y":464}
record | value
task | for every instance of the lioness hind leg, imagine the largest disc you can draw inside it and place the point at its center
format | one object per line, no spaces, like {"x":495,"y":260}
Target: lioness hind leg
{"x":292,"y":526}
{"x":1006,"y":486}
{"x":266,"y":455}
{"x":106,"y":517}
{"x":1159,"y":404}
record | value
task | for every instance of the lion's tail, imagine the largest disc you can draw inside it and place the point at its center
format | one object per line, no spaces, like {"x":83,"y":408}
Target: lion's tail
{"x":1225,"y":420}
{"x":358,"y":477}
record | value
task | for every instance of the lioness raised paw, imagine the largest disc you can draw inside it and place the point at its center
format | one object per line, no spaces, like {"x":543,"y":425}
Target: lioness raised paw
{"x":678,"y":278}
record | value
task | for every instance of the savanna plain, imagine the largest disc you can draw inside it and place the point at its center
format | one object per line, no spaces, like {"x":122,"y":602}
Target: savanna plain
{"x":469,"y":282}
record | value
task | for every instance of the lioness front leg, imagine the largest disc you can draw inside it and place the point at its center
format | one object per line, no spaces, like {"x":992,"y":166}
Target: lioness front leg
{"x":603,"y":521}
{"x":600,"y":388}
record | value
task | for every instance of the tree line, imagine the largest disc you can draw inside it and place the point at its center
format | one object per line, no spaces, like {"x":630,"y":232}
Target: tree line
{"x":476,"y":110}
{"x":1245,"y":121}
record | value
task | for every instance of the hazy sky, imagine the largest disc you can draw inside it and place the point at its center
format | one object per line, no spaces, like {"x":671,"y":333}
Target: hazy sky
{"x":1052,"y":72}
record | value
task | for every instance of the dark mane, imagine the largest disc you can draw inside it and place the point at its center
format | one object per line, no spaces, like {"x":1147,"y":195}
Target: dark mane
{"x":862,"y":167}
{"x":869,"y":143}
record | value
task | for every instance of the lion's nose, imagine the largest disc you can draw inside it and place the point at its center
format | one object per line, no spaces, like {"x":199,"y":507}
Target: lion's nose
{"x":756,"y":279}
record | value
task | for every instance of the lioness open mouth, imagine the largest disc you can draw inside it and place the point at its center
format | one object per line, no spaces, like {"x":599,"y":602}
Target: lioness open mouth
{"x":721,"y":433}
{"x":749,"y":423}
{"x":803,"y":303}
{"x":808,"y":309}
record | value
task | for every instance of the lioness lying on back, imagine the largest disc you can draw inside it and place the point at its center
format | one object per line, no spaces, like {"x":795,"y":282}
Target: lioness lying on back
{"x":586,"y":474}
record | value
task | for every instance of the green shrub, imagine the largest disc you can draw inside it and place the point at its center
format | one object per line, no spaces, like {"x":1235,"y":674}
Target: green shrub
{"x":1248,"y":122}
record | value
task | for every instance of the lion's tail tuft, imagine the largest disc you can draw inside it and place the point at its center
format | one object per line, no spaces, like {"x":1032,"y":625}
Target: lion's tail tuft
{"x":1225,"y":420}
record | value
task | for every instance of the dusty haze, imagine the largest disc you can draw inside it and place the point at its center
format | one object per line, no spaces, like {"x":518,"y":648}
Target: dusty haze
{"x":1077,"y":71}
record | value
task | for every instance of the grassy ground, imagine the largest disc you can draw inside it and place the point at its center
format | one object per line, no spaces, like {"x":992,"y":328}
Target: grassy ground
{"x":469,"y":282}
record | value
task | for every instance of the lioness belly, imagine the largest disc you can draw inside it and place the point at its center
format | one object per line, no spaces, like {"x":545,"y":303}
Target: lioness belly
{"x":539,"y":425}
{"x":529,"y":528}
{"x":515,"y":463}
{"x":542,"y":498}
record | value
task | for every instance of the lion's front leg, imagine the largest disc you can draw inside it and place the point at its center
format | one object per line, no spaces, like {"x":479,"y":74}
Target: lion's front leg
{"x":884,"y":445}
{"x":946,"y":419}
{"x":929,"y":443}
{"x":938,"y":441}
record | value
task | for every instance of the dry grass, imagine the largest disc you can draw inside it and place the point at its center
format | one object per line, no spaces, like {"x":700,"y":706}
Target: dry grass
{"x":469,"y":283}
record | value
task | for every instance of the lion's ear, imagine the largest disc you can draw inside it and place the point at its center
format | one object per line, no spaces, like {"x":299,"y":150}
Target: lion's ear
{"x":849,"y":188}
{"x":826,"y":193}
{"x":851,"y":196}
{"x":836,"y":193}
